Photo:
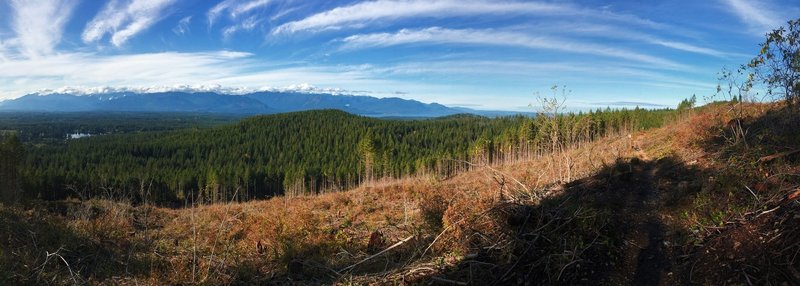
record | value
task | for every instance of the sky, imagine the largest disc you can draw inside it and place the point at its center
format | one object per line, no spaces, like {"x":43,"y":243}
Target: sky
{"x":483,"y":54}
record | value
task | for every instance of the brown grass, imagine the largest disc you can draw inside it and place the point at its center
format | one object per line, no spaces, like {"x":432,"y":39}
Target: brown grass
{"x":307,"y":238}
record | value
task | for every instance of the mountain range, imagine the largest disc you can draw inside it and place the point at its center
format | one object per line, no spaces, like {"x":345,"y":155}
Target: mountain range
{"x":259,"y":102}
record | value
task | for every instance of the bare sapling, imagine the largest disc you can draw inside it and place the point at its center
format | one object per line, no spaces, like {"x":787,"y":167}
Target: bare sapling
{"x":551,"y":108}
{"x":737,"y":90}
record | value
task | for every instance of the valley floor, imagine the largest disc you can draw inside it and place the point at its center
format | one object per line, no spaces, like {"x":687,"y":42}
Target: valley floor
{"x":689,"y":203}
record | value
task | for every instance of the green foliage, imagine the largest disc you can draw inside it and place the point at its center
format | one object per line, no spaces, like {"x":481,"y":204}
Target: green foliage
{"x":778,"y":63}
{"x":687,"y":103}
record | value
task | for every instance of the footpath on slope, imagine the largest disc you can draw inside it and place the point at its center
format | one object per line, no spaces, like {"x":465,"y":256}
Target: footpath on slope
{"x":644,"y":256}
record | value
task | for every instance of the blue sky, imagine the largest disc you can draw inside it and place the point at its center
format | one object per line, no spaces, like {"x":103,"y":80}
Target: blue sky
{"x":485,"y":54}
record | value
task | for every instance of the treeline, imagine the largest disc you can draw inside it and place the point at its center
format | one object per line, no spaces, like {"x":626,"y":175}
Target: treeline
{"x":544,"y":134}
{"x":54,"y":128}
{"x":303,"y":152}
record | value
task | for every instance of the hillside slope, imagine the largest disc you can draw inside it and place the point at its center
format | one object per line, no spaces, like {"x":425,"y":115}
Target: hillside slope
{"x":688,"y":203}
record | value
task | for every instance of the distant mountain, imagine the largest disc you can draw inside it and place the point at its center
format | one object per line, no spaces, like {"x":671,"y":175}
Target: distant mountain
{"x":361,"y":105}
{"x":259,"y":102}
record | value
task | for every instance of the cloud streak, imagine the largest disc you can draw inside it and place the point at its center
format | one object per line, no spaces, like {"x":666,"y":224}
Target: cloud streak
{"x":361,"y":14}
{"x":183,"y":26}
{"x":247,"y":25}
{"x":124,"y":19}
{"x":607,"y":31}
{"x":357,"y":14}
{"x":437,"y":35}
{"x":756,"y":15}
{"x":39,"y":24}
{"x":234,"y":8}
{"x":546,"y":71}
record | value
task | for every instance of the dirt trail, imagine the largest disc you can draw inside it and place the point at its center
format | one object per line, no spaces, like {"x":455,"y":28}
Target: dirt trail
{"x":645,"y":260}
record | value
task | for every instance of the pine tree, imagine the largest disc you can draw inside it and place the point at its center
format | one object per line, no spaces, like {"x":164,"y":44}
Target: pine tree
{"x":366,"y":147}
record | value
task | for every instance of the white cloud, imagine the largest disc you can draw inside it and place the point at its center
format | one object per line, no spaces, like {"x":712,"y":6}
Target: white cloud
{"x":759,"y":17}
{"x":39,"y":24}
{"x":245,"y":7}
{"x":283,"y":13}
{"x":358,"y":14}
{"x":238,"y":72}
{"x":215,"y":11}
{"x":228,"y":69}
{"x":124,"y":19}
{"x":234,"y":8}
{"x":183,"y":26}
{"x":685,"y":47}
{"x":439,"y":35}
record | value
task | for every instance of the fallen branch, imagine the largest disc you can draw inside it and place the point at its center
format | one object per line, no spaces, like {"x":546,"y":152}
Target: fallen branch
{"x":768,"y":211}
{"x":377,"y":254}
{"x":47,"y":258}
{"x":776,"y":156}
{"x":751,"y":192}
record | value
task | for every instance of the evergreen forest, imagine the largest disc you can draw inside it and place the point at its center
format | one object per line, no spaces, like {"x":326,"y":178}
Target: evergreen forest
{"x":169,"y":163}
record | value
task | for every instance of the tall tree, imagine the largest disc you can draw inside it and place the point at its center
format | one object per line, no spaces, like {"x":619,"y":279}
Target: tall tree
{"x":366,"y":147}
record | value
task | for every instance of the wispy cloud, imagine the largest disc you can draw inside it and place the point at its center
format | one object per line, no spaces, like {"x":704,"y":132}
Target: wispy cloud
{"x":234,"y":8}
{"x":615,"y":32}
{"x":183,"y":26}
{"x":124,"y":19}
{"x":544,"y":70}
{"x":756,"y":15}
{"x":247,"y":25}
{"x":358,"y":14}
{"x":39,"y":24}
{"x":439,"y":35}
{"x":248,"y":6}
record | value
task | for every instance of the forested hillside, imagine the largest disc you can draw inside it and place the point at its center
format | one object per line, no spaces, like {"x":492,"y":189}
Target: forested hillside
{"x":303,"y":152}
{"x":54,"y":127}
